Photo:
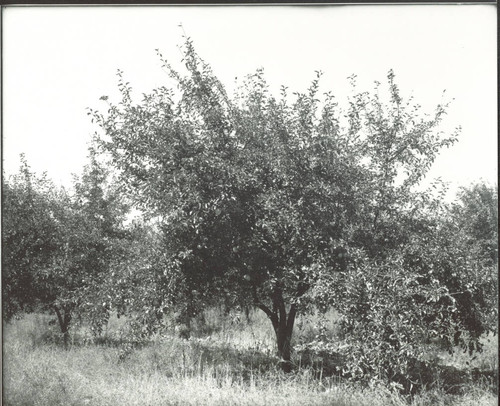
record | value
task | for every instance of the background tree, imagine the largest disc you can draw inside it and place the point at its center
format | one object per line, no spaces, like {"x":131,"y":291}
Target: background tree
{"x":58,"y":247}
{"x":476,"y":213}
{"x":473,"y":221}
{"x":260,"y":200}
{"x":31,"y":237}
{"x":133,"y":285}
{"x":440,"y":284}
{"x":94,"y":242}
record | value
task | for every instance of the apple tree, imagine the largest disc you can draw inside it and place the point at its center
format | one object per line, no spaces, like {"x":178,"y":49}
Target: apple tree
{"x":260,"y":198}
{"x":58,"y":246}
{"x":31,"y":237}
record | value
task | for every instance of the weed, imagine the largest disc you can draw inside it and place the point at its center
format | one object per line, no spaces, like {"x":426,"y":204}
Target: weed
{"x":232,"y":366}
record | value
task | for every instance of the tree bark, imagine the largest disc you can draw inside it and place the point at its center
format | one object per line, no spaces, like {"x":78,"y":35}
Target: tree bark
{"x":64,"y":318}
{"x":283,"y":327}
{"x":283,"y":332}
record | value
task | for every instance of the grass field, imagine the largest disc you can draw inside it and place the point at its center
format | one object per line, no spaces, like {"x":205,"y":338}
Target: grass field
{"x":232,"y":364}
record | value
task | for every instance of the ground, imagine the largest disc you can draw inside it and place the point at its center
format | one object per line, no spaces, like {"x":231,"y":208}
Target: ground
{"x":232,"y":364}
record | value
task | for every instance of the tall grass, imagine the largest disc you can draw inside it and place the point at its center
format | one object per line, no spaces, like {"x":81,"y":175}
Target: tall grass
{"x":232,"y":365}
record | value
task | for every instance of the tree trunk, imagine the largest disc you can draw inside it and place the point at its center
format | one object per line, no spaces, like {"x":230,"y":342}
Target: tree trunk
{"x":283,"y":328}
{"x":284,"y":331}
{"x":64,"y":319}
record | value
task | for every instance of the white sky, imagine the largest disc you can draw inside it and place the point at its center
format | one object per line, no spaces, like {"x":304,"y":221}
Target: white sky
{"x":59,"y":60}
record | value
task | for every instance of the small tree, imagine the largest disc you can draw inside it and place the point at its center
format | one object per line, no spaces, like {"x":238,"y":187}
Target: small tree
{"x":472,"y":224}
{"x":259,"y":198}
{"x":133,"y":287}
{"x":31,"y":237}
{"x":476,"y":213}
{"x":440,"y":284}
{"x":57,"y":247}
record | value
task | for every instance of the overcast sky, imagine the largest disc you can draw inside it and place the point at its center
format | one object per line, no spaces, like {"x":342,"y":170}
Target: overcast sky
{"x":57,"y":61}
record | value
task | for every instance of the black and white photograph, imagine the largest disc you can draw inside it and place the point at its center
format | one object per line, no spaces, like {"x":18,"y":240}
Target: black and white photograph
{"x":250,"y":204}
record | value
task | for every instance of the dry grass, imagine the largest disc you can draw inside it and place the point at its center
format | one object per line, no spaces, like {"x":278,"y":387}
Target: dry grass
{"x":233,"y":366}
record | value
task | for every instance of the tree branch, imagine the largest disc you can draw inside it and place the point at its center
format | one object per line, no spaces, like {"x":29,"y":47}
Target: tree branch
{"x":59,"y":316}
{"x":272,"y":316}
{"x":280,"y":305}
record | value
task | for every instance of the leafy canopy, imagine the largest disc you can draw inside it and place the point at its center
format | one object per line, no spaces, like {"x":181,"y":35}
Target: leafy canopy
{"x":288,"y":202}
{"x":254,"y":192}
{"x":58,"y":246}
